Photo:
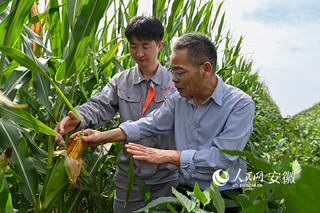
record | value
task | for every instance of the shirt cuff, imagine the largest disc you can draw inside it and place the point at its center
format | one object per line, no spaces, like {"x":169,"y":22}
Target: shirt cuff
{"x":131,"y":130}
{"x":186,"y":164}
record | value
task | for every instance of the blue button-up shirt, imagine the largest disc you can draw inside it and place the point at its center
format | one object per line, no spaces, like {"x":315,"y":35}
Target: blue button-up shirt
{"x":223,"y":121}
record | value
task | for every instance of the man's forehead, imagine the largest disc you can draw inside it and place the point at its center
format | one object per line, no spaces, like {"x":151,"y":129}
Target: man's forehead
{"x":135,"y":40}
{"x":178,"y":55}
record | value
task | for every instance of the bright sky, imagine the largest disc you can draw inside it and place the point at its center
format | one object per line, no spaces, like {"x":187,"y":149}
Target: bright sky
{"x":283,"y":37}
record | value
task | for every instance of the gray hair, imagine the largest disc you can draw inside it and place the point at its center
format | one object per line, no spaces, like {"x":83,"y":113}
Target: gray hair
{"x":200,"y":48}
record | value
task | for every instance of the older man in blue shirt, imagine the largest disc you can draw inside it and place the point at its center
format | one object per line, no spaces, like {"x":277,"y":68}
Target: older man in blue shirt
{"x":206,"y":115}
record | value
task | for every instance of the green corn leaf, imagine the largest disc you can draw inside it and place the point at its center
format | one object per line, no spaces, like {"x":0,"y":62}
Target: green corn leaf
{"x":73,"y":11}
{"x":57,"y":183}
{"x":10,"y":136}
{"x":176,"y":8}
{"x":73,"y":201}
{"x":36,"y":150}
{"x":5,"y":196}
{"x":203,"y":27}
{"x":27,"y":62}
{"x":10,"y":27}
{"x":3,"y":6}
{"x":55,"y":28}
{"x":83,"y":33}
{"x":220,"y":29}
{"x":96,"y":159}
{"x":217,"y":14}
{"x":15,"y":81}
{"x":33,"y":36}
{"x":42,"y":90}
{"x":109,"y":55}
{"x":25,"y":119}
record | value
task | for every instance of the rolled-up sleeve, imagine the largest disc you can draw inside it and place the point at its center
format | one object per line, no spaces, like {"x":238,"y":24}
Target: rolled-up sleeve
{"x":187,"y":165}
{"x":131,"y":130}
{"x":159,"y":121}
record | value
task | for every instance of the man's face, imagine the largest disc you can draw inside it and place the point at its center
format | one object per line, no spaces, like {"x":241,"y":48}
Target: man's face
{"x":144,"y":52}
{"x":187,"y":84}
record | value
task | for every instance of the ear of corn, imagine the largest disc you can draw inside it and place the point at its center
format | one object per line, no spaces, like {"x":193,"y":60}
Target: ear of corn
{"x":75,"y":147}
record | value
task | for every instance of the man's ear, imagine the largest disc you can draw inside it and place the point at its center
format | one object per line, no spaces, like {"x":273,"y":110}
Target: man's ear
{"x":160,"y":45}
{"x":206,"y":69}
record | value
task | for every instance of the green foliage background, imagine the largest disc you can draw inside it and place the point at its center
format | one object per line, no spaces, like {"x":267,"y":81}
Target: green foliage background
{"x":70,"y":55}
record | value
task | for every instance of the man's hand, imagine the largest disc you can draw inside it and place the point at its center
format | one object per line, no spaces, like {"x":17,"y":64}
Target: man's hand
{"x":95,"y":138}
{"x":67,"y":124}
{"x":152,"y":155}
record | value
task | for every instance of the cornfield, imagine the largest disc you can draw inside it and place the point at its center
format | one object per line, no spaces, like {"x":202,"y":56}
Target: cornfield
{"x":57,"y":59}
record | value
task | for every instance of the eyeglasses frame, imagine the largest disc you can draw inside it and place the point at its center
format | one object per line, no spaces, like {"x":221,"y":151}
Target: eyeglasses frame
{"x":179,"y":75}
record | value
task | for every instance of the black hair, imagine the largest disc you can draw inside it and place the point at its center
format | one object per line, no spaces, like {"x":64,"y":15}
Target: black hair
{"x":145,"y":28}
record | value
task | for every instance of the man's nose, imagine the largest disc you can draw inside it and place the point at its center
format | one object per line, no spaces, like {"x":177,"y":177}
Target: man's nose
{"x":139,"y":53}
{"x":174,"y":78}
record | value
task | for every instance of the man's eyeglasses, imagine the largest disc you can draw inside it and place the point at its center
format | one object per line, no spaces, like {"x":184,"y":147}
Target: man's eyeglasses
{"x":179,"y":75}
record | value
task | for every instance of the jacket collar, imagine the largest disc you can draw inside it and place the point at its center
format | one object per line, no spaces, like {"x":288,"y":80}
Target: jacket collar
{"x":138,"y":77}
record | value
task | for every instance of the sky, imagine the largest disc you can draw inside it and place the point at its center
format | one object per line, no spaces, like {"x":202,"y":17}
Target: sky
{"x":283,"y":39}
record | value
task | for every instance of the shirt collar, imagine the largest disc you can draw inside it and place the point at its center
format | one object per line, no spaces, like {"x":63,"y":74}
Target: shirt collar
{"x":217,"y":94}
{"x":138,"y":77}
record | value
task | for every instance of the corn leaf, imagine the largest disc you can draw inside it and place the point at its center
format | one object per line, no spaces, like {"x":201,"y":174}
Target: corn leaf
{"x":73,"y":11}
{"x":10,"y":136}
{"x":5,"y":196}
{"x":25,"y":119}
{"x":175,"y":11}
{"x":15,"y":81}
{"x":10,"y":27}
{"x":25,"y":61}
{"x":109,"y":55}
{"x":83,"y":33}
{"x":73,"y":201}
{"x":56,"y":184}
{"x":3,"y":5}
{"x":55,"y":28}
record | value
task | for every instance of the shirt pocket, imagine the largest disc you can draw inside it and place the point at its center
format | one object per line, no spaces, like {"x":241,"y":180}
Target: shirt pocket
{"x":128,"y":96}
{"x":162,"y":96}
